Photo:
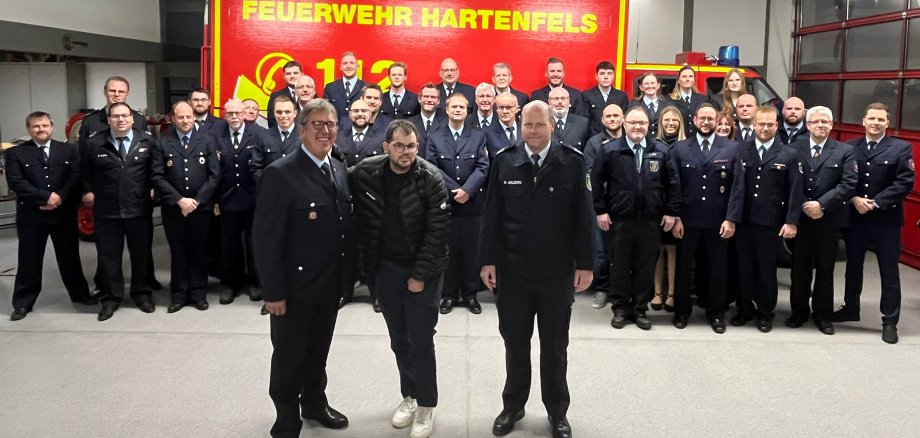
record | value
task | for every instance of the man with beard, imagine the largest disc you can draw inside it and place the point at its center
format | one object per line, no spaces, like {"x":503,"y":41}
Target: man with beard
{"x":508,"y":129}
{"x":342,"y":92}
{"x":570,"y":129}
{"x":355,"y":140}
{"x":292,"y":71}
{"x":430,"y":118}
{"x":372,"y":95}
{"x":596,"y":146}
{"x":460,"y":153}
{"x":277,"y":142}
{"x":450,"y":83}
{"x":482,"y":118}
{"x":205,"y":122}
{"x":712,"y":196}
{"x":305,"y":89}
{"x":398,"y":102}
{"x":793,"y":128}
{"x":597,"y":99}
{"x":501,"y":78}
{"x":555,"y":75}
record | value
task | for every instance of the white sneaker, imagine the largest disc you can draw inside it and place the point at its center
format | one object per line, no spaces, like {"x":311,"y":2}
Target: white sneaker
{"x":405,"y":413}
{"x":423,"y":424}
{"x":600,"y":300}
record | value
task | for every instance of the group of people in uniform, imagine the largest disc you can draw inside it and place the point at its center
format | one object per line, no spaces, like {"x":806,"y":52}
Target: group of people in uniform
{"x":428,"y":198}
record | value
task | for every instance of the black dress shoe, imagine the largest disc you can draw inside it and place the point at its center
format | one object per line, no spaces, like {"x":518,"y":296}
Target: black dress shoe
{"x":328,"y":417}
{"x":19,"y":314}
{"x":227,"y":295}
{"x":146,"y":305}
{"x":642,"y":320}
{"x":504,"y":422}
{"x":764,"y":325}
{"x":844,"y":314}
{"x":890,"y":333}
{"x":255,"y":293}
{"x":475,"y":307}
{"x":680,"y":321}
{"x":824,"y":326}
{"x":560,"y":427}
{"x":795,"y":321}
{"x":377,"y":306}
{"x":107,"y":311}
{"x":447,"y":304}
{"x":619,"y":319}
{"x":717,"y":324}
{"x":202,"y":305}
{"x":740,"y":319}
{"x":173,"y":308}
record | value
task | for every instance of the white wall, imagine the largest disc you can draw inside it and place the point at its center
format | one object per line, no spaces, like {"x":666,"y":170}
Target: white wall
{"x":739,"y":23}
{"x":655,"y":30}
{"x":31,"y":87}
{"x":779,"y":53}
{"x":135,"y":19}
{"x":134,"y":72}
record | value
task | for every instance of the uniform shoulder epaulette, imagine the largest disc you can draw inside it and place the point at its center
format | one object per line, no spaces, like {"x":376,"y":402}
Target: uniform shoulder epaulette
{"x":504,"y":149}
{"x":572,"y":149}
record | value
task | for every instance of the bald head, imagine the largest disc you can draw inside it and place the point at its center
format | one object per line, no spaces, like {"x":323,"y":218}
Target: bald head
{"x":745,"y":108}
{"x":793,"y":111}
{"x":234,"y":110}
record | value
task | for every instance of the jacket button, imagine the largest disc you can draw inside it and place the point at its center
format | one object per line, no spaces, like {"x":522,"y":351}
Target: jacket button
{"x":704,"y":176}
{"x":704,"y":198}
{"x":300,"y":268}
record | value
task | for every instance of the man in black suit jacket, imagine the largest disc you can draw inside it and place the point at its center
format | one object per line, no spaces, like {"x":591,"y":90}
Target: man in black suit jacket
{"x":885,"y":177}
{"x":793,"y":127}
{"x":398,"y":102}
{"x":342,"y":92}
{"x":430,"y":118}
{"x":205,"y":122}
{"x":537,"y":248}
{"x":302,"y":239}
{"x":484,"y":116}
{"x":356,"y":139}
{"x":712,"y":195}
{"x":501,"y":78}
{"x":829,"y":170}
{"x":597,"y":98}
{"x":185,"y":174}
{"x":305,"y":89}
{"x":116,"y":167}
{"x":278,"y":142}
{"x":745,"y":108}
{"x":570,"y":129}
{"x":292,"y":71}
{"x":555,"y":75}
{"x":450,"y":84}
{"x":507,"y":131}
{"x":44,"y":174}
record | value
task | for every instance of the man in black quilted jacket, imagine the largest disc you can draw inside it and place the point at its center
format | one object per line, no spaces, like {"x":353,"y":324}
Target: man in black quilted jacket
{"x":403,"y":214}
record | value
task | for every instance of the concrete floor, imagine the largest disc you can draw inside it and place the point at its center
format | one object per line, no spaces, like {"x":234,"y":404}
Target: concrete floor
{"x":205,"y":374}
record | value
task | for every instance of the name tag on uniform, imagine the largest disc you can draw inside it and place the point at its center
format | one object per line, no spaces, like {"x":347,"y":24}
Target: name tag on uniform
{"x":513,"y":183}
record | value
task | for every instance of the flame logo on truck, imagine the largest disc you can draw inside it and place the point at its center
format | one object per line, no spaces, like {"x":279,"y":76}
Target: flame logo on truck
{"x":263,"y":86}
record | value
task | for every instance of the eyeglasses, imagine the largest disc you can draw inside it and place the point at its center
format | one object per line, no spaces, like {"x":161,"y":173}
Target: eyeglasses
{"x":399,"y":147}
{"x":636,"y":123}
{"x":318,"y":125}
{"x":119,"y":116}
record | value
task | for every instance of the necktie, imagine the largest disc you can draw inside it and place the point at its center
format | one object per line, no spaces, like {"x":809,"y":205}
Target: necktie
{"x":456,"y":136}
{"x":236,"y":139}
{"x":427,"y":125}
{"x":359,"y":136}
{"x":559,"y":124}
{"x":817,"y":153}
{"x":328,"y":172}
{"x":651,"y":107}
{"x":762,"y":150}
{"x":347,"y":88}
{"x":396,"y":101}
{"x":872,"y":145}
{"x":293,"y":94}
{"x":485,"y":123}
{"x":637,"y":150}
{"x":184,"y":141}
{"x":791,"y":132}
{"x":197,"y":125}
{"x":284,"y":135}
{"x":450,"y":90}
{"x":705,"y":146}
{"x":536,"y":164}
{"x":687,"y":99}
{"x":510,"y":134}
{"x":745,"y":133}
{"x":44,"y":150}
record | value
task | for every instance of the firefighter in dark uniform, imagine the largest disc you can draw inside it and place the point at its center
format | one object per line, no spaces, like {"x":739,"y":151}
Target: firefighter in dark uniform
{"x":115,"y":166}
{"x":44,"y":174}
{"x":635,"y":193}
{"x":712,"y":194}
{"x":185,"y":173}
{"x":538,"y":248}
{"x":772,"y":199}
{"x":116,"y":90}
{"x":829,"y":171}
{"x":276,"y":142}
{"x":234,"y":204}
{"x":459,"y":151}
{"x":885,"y":178}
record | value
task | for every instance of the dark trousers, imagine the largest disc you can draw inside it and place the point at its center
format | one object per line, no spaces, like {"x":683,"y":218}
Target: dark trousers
{"x":550,"y":301}
{"x":716,"y":253}
{"x":236,"y":248}
{"x":300,"y":339}
{"x":111,"y":235}
{"x":634,"y":248}
{"x":188,"y":240}
{"x":758,"y":248}
{"x":601,"y":261}
{"x":151,"y":278}
{"x":887,"y":240}
{"x":411,"y":319}
{"x":33,"y":238}
{"x":462,"y":276}
{"x":815,"y":247}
